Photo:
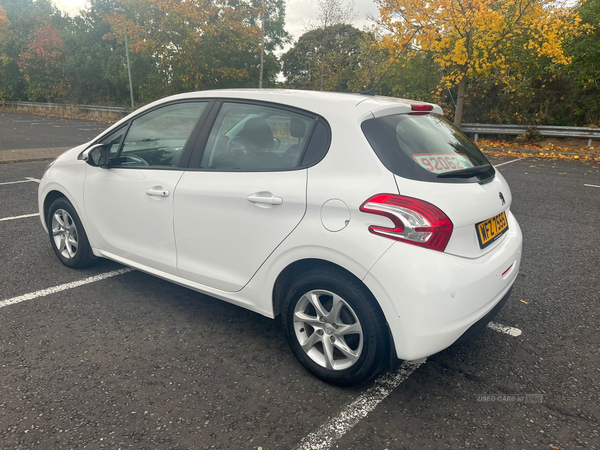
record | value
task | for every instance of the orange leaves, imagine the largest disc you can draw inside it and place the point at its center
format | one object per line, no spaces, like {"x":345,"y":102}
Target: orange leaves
{"x":4,"y":24}
{"x":475,"y":36}
{"x":45,"y":46}
{"x":42,"y":65}
{"x":542,"y":151}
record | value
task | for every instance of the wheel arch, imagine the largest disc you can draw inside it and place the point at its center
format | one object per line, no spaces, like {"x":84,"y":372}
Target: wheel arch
{"x":50,"y":198}
{"x":53,"y":191}
{"x":297,"y":268}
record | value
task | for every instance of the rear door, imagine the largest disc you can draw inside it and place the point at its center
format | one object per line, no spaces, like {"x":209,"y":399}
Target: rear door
{"x":433,"y":161}
{"x":243,"y":194}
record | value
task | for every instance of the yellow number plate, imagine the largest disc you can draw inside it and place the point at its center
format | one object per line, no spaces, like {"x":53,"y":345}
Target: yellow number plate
{"x":490,"y":230}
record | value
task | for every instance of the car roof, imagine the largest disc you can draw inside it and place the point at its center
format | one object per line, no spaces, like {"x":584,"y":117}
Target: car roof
{"x":330,"y":105}
{"x":319,"y":102}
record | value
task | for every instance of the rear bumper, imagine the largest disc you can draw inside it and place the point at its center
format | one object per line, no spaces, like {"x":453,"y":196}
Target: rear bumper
{"x":478,"y":326}
{"x":432,"y":299}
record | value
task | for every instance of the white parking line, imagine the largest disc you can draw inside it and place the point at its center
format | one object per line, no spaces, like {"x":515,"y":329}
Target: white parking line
{"x":337,"y":426}
{"x":591,"y":185}
{"x":63,"y":287}
{"x":353,"y":412}
{"x":17,"y":182}
{"x":33,"y":179}
{"x":504,"y":329}
{"x":509,"y":162}
{"x":19,"y":217}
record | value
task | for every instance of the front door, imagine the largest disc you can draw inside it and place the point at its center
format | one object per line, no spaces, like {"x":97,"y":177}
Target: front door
{"x":129,"y":205}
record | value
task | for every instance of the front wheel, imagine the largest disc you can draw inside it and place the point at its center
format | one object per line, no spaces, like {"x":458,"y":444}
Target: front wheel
{"x":335,"y":327}
{"x":67,"y":236}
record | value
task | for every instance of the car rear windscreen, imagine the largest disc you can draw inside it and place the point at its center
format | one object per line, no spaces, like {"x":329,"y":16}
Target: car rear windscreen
{"x":423,"y":147}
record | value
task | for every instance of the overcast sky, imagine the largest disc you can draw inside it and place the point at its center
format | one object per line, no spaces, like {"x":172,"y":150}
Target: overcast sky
{"x":299,"y":12}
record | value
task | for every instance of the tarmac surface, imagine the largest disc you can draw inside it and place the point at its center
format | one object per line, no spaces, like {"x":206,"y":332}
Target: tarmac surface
{"x":132,"y":361}
{"x":25,"y":137}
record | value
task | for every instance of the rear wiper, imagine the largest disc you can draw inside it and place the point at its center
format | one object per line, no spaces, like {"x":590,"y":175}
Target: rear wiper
{"x":465,"y":173}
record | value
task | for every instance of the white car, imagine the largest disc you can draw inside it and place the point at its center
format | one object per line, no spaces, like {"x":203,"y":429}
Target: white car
{"x":371,"y":225}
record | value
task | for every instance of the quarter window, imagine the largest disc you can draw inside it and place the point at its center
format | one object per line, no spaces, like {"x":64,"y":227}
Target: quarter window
{"x":113,"y":141}
{"x":256,"y":138}
{"x":157,"y":139}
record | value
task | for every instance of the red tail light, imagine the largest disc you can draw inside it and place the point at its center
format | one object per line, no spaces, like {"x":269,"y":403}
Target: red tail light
{"x":415,"y":221}
{"x":420,"y":109}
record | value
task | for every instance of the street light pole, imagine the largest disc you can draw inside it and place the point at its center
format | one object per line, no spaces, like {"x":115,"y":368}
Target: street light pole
{"x":121,"y":10}
{"x":129,"y":72}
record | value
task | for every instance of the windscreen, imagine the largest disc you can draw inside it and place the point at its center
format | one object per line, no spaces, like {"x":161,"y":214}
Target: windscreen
{"x":421,"y":147}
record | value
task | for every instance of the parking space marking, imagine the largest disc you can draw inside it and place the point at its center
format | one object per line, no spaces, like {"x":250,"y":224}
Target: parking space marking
{"x":17,"y":182}
{"x":33,"y":179}
{"x":504,"y":329}
{"x":509,"y":162}
{"x":338,"y":425}
{"x":63,"y":287}
{"x":591,"y":185}
{"x":19,"y":217}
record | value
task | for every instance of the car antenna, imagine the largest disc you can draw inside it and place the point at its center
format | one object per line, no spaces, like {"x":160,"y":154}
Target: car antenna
{"x":371,"y":91}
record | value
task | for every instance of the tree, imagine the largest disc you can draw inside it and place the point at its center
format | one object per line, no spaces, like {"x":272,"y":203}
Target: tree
{"x":472,"y":38}
{"x":98,"y":67}
{"x":319,"y":53}
{"x":24,"y":18}
{"x":194,"y":44}
{"x":331,"y":13}
{"x":43,"y":66}
{"x":324,"y":59}
{"x":4,"y":24}
{"x":272,"y":25}
{"x":585,"y":50}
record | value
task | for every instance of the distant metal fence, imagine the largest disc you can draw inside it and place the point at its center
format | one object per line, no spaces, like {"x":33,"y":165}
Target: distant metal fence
{"x":474,"y":128}
{"x":87,"y":108}
{"x":544,"y":130}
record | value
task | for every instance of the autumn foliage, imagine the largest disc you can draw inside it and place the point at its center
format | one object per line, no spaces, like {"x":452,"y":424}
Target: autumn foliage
{"x":42,"y":65}
{"x":473,"y":38}
{"x":188,"y":41}
{"x":4,"y":24}
{"x":530,"y":62}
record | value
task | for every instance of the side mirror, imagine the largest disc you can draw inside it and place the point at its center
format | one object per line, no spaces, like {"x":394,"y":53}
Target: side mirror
{"x":97,"y":155}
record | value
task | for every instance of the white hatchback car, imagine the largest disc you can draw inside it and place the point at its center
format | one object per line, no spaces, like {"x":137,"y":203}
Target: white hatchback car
{"x":373,"y":226}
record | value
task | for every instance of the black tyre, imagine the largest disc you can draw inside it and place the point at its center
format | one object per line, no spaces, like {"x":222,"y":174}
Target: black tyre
{"x":335,"y":327}
{"x":67,"y":236}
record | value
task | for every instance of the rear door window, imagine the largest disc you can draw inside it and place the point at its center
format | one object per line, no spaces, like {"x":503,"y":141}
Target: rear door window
{"x":248,"y":137}
{"x":422,"y":147}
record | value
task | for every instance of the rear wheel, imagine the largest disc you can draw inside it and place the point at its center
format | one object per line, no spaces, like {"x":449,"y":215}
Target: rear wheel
{"x":334,"y":327}
{"x":67,"y":236}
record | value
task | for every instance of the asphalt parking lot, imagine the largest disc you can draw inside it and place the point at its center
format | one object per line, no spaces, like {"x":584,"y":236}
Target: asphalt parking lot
{"x":131,"y":361}
{"x":23,"y":131}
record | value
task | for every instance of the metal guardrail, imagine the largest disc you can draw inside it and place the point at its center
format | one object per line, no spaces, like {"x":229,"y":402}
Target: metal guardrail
{"x":544,"y":130}
{"x":475,"y":128}
{"x":113,"y":109}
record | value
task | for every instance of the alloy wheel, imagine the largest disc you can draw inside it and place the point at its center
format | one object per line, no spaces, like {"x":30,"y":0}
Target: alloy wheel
{"x":64,"y":233}
{"x":328,"y":330}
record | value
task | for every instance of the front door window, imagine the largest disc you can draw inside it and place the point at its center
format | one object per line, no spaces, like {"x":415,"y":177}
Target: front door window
{"x":157,"y":139}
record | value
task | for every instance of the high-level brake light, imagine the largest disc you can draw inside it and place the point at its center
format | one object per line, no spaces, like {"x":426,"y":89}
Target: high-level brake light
{"x":420,"y":109}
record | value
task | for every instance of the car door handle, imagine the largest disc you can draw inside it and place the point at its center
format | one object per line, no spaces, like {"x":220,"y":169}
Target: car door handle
{"x":157,"y":192}
{"x":265,"y":198}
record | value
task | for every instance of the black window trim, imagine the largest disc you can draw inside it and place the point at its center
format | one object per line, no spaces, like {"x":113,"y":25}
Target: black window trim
{"x":196,"y":159}
{"x":196,"y":145}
